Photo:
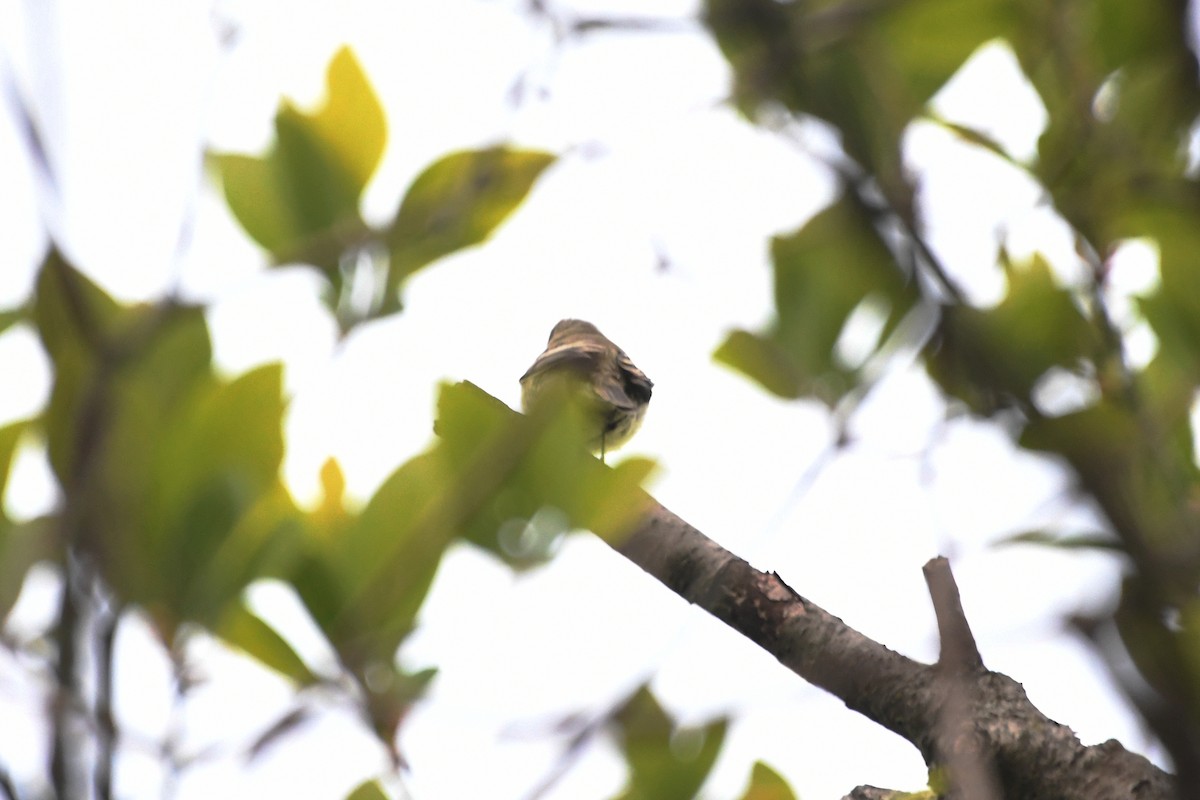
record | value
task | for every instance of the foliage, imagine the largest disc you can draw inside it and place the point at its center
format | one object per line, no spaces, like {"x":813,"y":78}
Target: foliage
{"x":169,"y":471}
{"x":300,"y":199}
{"x":1118,"y":83}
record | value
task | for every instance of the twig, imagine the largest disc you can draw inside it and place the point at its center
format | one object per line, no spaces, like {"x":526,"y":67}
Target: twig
{"x":959,"y":654}
{"x":575,"y":748}
{"x":63,"y":754}
{"x":960,"y":743}
{"x":106,"y":728}
{"x":7,"y":787}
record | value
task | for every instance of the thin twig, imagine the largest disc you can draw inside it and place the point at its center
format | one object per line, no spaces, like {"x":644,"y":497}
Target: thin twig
{"x":7,"y":787}
{"x":63,"y":753}
{"x":959,"y":653}
{"x":106,"y":728}
{"x":960,"y":744}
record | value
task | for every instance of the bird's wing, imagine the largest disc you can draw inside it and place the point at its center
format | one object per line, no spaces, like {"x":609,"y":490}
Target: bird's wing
{"x":575,"y":356}
{"x":627,"y":387}
{"x":637,"y":385}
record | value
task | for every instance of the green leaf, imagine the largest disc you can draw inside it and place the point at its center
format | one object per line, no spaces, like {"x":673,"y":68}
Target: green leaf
{"x":300,"y":200}
{"x":368,"y":790}
{"x":868,"y":69}
{"x":386,"y":560}
{"x":823,"y":273}
{"x":1079,"y":541}
{"x":73,"y":316}
{"x":390,"y":694}
{"x":457,"y":202}
{"x":1130,"y":68}
{"x":351,"y":125}
{"x":767,"y":784}
{"x":364,"y":576}
{"x":247,"y":631}
{"x":1143,"y":485}
{"x":926,"y":41}
{"x":10,"y":317}
{"x":990,"y":358}
{"x":666,"y":762}
{"x":521,"y":464}
{"x":762,"y":360}
{"x":1173,"y":309}
{"x":174,"y":474}
{"x":10,"y":437}
{"x":21,"y":545}
{"x":220,"y":509}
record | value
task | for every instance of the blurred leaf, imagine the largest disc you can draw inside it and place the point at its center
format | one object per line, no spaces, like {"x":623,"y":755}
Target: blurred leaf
{"x":10,"y":317}
{"x":767,"y":784}
{"x":928,"y":40}
{"x":172,"y":474}
{"x":73,"y":316}
{"x":10,"y":437}
{"x":351,"y":123}
{"x":385,"y":562}
{"x":1188,"y":635}
{"x":300,"y":200}
{"x":1080,"y":541}
{"x":457,"y":202}
{"x":533,"y":462}
{"x":1118,"y":83}
{"x":1173,"y":309}
{"x":368,"y":790}
{"x":761,"y":359}
{"x":391,"y":693}
{"x":289,"y":722}
{"x":977,"y":138}
{"x":242,"y":628}
{"x":868,"y":69}
{"x":330,"y":516}
{"x":1164,"y":650}
{"x":1146,"y":490}
{"x":365,"y":576}
{"x":21,"y":544}
{"x":992,"y":357}
{"x":666,"y":762}
{"x":823,"y":272}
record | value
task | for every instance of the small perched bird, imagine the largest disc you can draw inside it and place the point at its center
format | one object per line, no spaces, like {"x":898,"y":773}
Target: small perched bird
{"x":613,"y":391}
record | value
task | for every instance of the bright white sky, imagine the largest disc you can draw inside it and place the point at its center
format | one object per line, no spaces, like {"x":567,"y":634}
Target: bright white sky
{"x":654,"y":164}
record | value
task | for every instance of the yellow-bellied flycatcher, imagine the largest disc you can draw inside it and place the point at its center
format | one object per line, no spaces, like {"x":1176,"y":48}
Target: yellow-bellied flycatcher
{"x":613,"y":391}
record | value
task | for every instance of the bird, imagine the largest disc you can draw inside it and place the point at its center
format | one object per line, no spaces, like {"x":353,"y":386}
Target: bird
{"x":613,"y":392}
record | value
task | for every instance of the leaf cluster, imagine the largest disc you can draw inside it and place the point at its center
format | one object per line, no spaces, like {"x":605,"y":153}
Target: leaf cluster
{"x":1118,"y":83}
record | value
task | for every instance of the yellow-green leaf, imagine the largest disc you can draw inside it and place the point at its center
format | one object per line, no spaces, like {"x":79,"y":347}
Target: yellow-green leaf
{"x":767,"y":784}
{"x":985,"y":356}
{"x":824,"y":271}
{"x":457,"y":202}
{"x":247,"y":631}
{"x":666,"y":761}
{"x":368,"y":790}
{"x":300,"y":199}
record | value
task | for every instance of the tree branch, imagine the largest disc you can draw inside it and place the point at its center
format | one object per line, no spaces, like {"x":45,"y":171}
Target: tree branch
{"x":959,"y":653}
{"x":971,"y":773}
{"x":64,"y":754}
{"x":107,"y":616}
{"x":1034,"y":756}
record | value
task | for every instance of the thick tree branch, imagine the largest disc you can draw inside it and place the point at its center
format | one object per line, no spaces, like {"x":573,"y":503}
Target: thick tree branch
{"x":1034,"y":757}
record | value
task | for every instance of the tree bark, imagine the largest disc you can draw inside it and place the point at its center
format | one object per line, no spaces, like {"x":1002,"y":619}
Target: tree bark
{"x":945,"y":710}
